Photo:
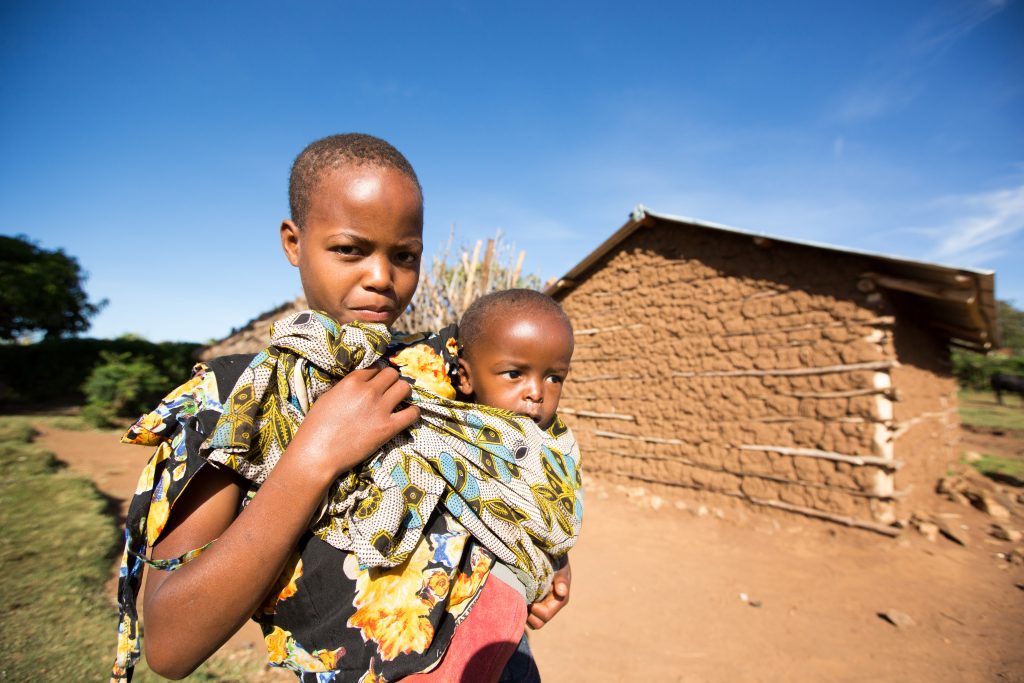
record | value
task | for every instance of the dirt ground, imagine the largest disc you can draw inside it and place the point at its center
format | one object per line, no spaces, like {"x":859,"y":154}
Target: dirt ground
{"x":667,"y":591}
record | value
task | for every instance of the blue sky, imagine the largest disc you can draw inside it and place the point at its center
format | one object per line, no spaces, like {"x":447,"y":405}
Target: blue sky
{"x":152,"y":140}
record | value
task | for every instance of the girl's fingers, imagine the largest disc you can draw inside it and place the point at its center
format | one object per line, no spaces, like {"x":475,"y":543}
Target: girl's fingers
{"x":404,"y":418}
{"x":399,"y":391}
{"x":384,"y":378}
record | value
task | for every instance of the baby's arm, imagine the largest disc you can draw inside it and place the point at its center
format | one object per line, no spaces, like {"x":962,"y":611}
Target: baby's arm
{"x":191,"y":612}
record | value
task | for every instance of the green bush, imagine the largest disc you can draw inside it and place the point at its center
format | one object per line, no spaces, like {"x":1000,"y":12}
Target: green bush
{"x":54,"y":370}
{"x":122,"y":386}
{"x":973,"y":370}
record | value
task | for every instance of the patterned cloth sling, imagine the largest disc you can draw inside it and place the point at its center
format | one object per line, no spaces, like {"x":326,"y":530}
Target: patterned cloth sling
{"x":516,"y":488}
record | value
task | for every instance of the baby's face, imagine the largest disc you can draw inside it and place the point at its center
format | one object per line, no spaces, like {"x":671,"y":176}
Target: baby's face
{"x":519,"y":365}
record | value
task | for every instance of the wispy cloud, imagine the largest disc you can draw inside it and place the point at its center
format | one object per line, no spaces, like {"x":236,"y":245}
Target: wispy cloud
{"x":896,"y":79}
{"x":980,"y":224}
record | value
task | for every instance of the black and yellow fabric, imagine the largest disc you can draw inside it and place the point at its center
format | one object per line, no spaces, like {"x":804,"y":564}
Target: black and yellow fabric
{"x":516,"y":488}
{"x":327,"y":619}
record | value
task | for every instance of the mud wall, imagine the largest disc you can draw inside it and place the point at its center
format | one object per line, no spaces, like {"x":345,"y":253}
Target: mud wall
{"x":761,"y":373}
{"x":926,"y":428}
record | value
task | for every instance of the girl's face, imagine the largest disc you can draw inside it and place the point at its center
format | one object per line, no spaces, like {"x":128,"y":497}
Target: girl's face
{"x":519,"y":365}
{"x":359,"y":252}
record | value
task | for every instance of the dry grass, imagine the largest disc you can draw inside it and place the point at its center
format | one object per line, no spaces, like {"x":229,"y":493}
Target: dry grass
{"x":456,"y":278}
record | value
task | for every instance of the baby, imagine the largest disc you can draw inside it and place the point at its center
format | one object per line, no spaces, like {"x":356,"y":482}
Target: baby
{"x":504,"y":468}
{"x":513,"y":485}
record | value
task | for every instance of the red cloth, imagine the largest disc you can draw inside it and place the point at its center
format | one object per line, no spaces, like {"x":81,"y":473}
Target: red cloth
{"x":485,"y":640}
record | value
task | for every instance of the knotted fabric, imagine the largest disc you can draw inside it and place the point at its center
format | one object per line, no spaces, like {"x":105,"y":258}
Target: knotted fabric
{"x":515,"y":487}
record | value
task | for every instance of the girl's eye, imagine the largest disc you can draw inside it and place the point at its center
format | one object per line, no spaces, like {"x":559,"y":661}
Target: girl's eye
{"x":555,"y":379}
{"x":408,"y":258}
{"x":512,"y":374}
{"x":345,"y":250}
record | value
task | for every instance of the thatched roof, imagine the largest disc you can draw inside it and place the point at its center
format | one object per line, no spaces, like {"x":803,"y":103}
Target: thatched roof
{"x":254,"y":335}
{"x":957,"y":303}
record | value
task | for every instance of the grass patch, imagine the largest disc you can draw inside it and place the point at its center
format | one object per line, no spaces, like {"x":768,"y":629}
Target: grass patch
{"x":980,"y":409}
{"x":56,"y":549}
{"x":16,"y":429}
{"x":997,"y":468}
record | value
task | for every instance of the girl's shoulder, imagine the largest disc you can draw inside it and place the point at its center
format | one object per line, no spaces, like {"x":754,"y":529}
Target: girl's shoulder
{"x":201,"y":397}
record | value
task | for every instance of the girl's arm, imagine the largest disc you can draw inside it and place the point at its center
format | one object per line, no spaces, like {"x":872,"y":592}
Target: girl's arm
{"x":192,"y":611}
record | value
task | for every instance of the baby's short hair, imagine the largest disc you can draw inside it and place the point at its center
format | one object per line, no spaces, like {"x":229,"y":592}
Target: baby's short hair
{"x":476,"y":317}
{"x":334,"y":152}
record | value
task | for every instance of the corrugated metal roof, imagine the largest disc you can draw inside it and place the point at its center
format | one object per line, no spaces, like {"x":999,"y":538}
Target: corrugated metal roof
{"x":958,"y":303}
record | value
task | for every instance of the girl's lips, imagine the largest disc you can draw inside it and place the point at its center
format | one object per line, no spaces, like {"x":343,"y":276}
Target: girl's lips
{"x":369,"y":315}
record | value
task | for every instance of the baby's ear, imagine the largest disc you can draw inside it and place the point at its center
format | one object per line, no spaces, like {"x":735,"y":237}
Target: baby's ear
{"x":465,"y":383}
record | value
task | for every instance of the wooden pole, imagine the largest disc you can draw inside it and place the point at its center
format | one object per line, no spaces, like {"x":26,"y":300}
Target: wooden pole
{"x":793,"y":372}
{"x":894,"y":495}
{"x":859,"y":460}
{"x":809,"y":512}
{"x":604,"y":416}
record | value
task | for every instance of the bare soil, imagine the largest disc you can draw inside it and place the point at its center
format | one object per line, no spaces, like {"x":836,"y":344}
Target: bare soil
{"x":667,"y":592}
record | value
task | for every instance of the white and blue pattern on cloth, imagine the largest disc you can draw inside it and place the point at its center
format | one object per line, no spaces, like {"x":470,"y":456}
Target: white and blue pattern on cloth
{"x":515,"y":487}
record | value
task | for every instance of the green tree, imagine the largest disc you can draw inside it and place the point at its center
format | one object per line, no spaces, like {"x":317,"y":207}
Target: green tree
{"x":41,"y":290}
{"x":1011,"y":324}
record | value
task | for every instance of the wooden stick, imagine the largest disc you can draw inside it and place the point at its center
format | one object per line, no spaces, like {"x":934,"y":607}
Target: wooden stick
{"x":599,"y":378}
{"x":470,"y":267}
{"x":758,"y":475}
{"x":903,"y":427}
{"x":859,"y":460}
{"x":883,"y":529}
{"x":840,"y":394}
{"x":927,"y":289}
{"x":485,"y":273}
{"x":793,"y":372}
{"x":809,"y":512}
{"x":599,"y":330}
{"x":882,"y":320}
{"x":590,"y":413}
{"x":519,"y":269}
{"x":645,"y":439}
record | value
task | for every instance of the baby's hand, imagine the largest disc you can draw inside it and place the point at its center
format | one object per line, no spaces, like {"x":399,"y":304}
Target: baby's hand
{"x":352,"y":419}
{"x":542,"y":611}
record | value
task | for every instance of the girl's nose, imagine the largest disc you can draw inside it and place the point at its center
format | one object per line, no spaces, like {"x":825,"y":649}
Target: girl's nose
{"x":378,"y":274}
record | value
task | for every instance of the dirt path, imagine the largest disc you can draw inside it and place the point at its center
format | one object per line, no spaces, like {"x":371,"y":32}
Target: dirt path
{"x":657,"y":592}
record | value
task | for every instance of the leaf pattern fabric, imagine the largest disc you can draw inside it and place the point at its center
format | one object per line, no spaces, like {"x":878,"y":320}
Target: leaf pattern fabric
{"x":327,"y":618}
{"x":516,"y":488}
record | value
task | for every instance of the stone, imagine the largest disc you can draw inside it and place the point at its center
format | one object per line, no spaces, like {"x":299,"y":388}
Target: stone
{"x":929,"y":530}
{"x":990,"y":506}
{"x":1005,"y":533}
{"x":1016,"y":556}
{"x":957,"y":497}
{"x":656,"y":502}
{"x":951,"y":532}
{"x":897,"y":618}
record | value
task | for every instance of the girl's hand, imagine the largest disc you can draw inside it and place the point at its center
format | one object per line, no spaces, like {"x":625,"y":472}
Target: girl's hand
{"x":352,"y":419}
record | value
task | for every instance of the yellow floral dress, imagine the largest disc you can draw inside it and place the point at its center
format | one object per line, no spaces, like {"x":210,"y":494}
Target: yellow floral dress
{"x":326,"y":619}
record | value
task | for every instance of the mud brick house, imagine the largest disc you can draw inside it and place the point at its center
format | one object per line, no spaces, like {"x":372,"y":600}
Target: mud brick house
{"x":788,"y":375}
